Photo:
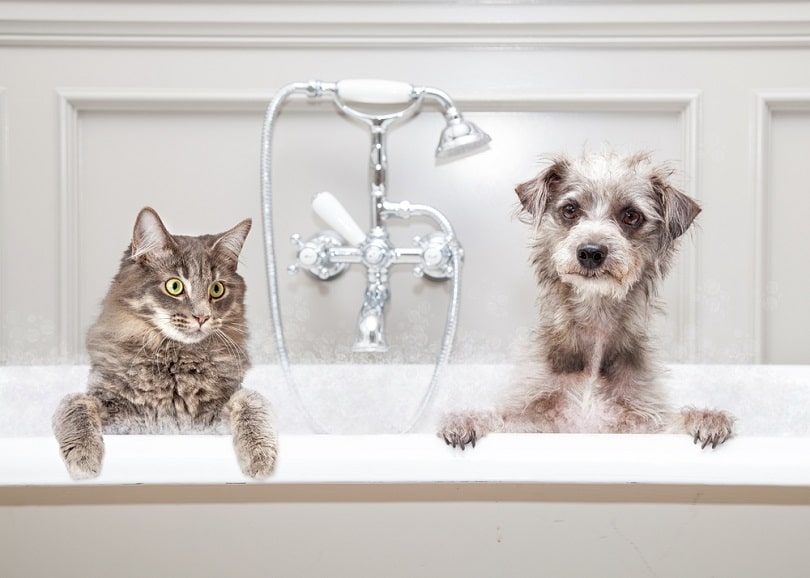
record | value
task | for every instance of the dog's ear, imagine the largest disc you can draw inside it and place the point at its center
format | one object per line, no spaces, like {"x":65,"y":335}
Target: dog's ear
{"x":678,"y":210}
{"x":534,"y":194}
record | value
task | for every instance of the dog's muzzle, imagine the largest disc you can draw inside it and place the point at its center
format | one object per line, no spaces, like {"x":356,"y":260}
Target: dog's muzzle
{"x":591,"y":256}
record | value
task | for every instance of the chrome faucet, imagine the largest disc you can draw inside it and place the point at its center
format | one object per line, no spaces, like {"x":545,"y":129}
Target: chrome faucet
{"x":328,"y":254}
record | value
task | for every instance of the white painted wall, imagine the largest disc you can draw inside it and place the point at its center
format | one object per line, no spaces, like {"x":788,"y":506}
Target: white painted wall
{"x":108,"y":106}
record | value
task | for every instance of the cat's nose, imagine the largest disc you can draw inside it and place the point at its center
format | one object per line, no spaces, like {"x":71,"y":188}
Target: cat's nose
{"x":201,"y":319}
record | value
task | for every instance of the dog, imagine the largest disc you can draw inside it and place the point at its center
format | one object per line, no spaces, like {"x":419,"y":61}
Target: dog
{"x":605,"y":229}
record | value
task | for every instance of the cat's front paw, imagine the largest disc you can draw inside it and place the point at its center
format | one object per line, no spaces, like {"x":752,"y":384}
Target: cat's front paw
{"x":258,"y":459}
{"x":83,"y":460}
{"x":462,"y":429}
{"x":254,"y":436}
{"x":77,"y":427}
{"x":708,"y":427}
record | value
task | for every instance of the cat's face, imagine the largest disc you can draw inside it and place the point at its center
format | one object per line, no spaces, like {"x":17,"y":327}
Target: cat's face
{"x":188,"y":287}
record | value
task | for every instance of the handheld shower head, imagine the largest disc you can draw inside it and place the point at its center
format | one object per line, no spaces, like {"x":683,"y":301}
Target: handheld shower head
{"x":460,"y":137}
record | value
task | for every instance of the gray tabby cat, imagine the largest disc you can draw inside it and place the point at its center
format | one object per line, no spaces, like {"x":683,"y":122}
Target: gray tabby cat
{"x":168,"y":352}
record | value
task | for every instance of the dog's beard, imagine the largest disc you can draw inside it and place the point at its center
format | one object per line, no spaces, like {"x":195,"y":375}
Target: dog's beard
{"x":590,"y":286}
{"x":613,"y":279}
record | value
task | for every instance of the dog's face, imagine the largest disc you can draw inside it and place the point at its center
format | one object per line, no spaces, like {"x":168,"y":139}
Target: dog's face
{"x":602,"y":222}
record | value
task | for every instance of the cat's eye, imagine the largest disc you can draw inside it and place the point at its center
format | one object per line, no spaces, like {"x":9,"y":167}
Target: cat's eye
{"x":216,"y":290}
{"x":174,"y":287}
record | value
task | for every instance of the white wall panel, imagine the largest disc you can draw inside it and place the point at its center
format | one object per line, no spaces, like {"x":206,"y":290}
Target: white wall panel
{"x":784,"y":203}
{"x":195,"y":158}
{"x":198,"y":168}
{"x":3,"y":193}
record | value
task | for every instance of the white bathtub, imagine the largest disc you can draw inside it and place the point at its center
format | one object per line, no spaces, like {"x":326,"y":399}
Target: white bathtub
{"x":399,"y":506}
{"x":364,"y":405}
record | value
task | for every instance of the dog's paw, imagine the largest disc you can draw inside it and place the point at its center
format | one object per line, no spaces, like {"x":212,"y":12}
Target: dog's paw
{"x":708,"y":427}
{"x":462,"y":429}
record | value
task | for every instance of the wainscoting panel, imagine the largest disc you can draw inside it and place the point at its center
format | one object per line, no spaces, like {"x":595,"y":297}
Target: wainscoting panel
{"x":784,"y":203}
{"x":194,"y":158}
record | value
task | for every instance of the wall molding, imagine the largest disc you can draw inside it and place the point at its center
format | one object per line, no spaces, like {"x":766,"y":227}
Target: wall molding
{"x":69,"y":162}
{"x":398,"y":24}
{"x":3,"y":192}
{"x":74,"y":102}
{"x":765,"y":104}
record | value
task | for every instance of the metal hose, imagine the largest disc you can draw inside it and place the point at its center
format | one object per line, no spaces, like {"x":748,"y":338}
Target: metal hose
{"x":447,"y":342}
{"x":269,"y":249}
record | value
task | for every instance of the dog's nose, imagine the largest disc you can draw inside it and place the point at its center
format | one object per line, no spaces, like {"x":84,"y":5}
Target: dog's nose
{"x":591,"y":256}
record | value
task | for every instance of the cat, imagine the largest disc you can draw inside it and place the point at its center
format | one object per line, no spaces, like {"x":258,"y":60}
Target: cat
{"x":168,"y":353}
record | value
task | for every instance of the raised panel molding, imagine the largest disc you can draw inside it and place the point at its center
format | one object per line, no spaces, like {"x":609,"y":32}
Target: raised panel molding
{"x":68,"y":321}
{"x":397,"y":24}
{"x":765,"y":104}
{"x":3,"y":192}
{"x":73,"y":102}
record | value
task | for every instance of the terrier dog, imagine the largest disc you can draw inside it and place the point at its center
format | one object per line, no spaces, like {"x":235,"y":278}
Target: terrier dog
{"x":605,"y":231}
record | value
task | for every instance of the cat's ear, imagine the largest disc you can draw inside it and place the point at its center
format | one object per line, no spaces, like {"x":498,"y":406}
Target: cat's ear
{"x":150,"y":239}
{"x":228,"y":245}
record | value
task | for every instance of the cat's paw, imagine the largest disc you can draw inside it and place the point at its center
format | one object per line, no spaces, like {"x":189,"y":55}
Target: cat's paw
{"x":254,"y":437}
{"x":462,"y":429}
{"x":83,"y":460}
{"x":77,"y":427}
{"x":258,"y":458}
{"x":708,"y":427}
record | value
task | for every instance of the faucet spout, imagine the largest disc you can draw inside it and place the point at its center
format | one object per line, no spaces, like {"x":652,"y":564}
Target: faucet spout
{"x":371,"y":323}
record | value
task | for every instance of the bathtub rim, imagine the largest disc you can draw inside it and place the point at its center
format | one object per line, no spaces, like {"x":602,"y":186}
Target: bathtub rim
{"x":418,"y":459}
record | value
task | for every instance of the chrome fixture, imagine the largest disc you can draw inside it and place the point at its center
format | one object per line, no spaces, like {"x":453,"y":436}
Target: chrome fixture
{"x":437,"y":256}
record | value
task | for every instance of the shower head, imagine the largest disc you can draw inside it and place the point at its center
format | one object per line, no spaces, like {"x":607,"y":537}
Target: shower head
{"x":460,"y":137}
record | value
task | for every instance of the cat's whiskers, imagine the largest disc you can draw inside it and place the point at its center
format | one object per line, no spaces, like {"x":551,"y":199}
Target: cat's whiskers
{"x":236,"y":351}
{"x":233,"y":347}
{"x":240,"y":328}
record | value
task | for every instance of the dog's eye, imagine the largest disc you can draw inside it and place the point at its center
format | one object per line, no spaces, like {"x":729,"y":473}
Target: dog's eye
{"x":570,"y":211}
{"x":631,"y":218}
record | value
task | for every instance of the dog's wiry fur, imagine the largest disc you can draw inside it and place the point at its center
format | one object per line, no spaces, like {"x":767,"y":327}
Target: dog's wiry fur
{"x":605,"y":228}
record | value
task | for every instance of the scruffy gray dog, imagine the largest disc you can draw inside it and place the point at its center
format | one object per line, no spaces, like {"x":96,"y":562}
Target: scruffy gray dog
{"x":605,"y":231}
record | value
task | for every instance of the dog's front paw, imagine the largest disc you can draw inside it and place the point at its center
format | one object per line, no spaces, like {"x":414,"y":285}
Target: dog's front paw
{"x":708,"y":427}
{"x":462,"y":429}
{"x":254,"y":437}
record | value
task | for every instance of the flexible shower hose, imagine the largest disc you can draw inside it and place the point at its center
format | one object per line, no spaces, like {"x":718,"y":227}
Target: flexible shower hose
{"x":272,"y":275}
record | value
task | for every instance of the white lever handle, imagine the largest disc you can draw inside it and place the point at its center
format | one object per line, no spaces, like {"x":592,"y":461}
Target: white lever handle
{"x":372,"y":91}
{"x":328,"y":208}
